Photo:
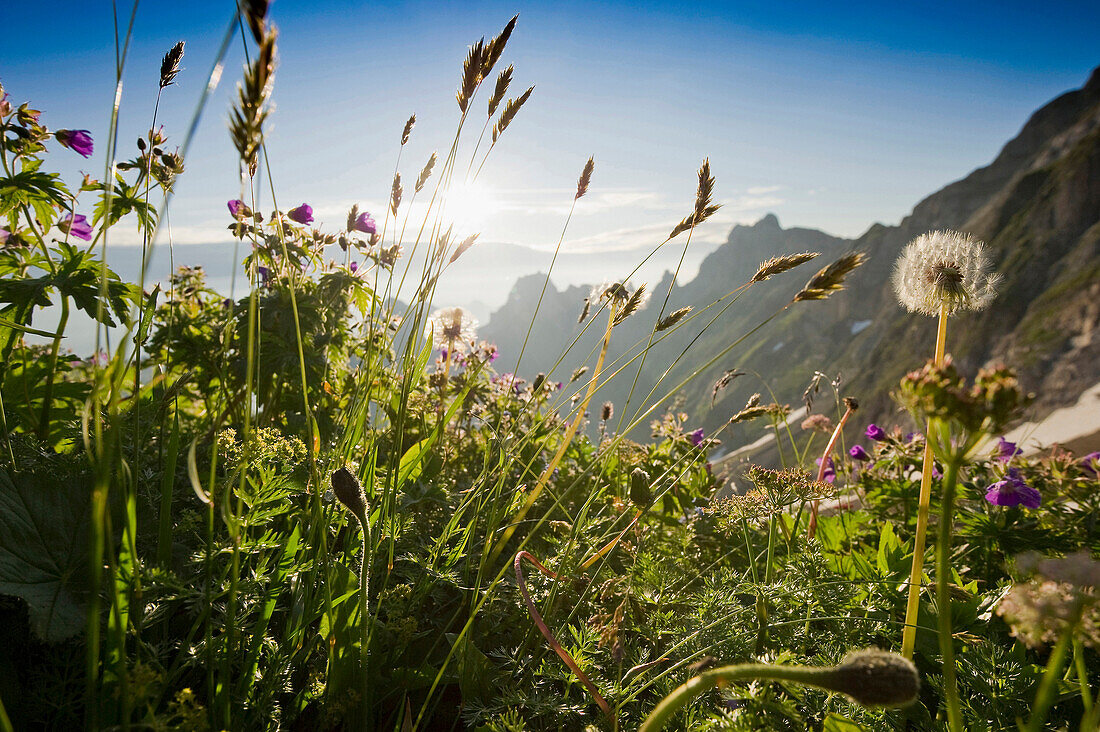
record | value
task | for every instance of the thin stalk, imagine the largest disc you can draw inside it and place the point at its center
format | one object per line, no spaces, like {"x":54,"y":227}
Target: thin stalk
{"x":943,"y":596}
{"x":812,"y":528}
{"x":566,"y":439}
{"x":909,"y":635}
{"x":47,"y":398}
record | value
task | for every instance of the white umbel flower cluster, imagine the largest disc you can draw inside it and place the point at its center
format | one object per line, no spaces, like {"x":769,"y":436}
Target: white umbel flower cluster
{"x":944,"y":269}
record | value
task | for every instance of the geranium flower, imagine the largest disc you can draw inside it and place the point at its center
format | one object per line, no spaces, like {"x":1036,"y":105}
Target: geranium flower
{"x":365,"y":223}
{"x":1006,"y":450}
{"x":303,"y":214}
{"x":875,"y":433}
{"x":77,"y":226}
{"x":697,"y":437}
{"x":238,"y":209}
{"x":858,"y":453}
{"x":1090,"y":463}
{"x":1013,"y":491}
{"x":829,"y":475}
{"x":79,"y":141}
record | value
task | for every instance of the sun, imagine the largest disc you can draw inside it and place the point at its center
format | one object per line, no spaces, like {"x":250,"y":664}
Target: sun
{"x":470,"y":206}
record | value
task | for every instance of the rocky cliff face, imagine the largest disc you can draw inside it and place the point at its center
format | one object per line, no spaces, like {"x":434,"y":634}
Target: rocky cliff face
{"x":1037,"y":207}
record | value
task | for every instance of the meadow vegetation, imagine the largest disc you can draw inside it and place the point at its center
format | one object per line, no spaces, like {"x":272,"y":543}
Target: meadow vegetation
{"x":326,"y":504}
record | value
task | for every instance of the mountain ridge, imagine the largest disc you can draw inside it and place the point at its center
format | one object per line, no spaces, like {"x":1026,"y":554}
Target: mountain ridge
{"x":1036,"y":205}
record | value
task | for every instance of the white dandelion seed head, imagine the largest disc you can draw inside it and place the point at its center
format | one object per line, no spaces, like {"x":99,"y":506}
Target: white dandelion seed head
{"x":944,"y":269}
{"x":453,"y":328}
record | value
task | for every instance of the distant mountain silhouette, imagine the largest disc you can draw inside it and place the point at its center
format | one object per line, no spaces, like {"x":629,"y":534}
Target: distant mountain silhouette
{"x":1037,"y":207}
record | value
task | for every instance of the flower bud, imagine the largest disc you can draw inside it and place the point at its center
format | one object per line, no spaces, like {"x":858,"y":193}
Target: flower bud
{"x":875,"y":678}
{"x":348,"y":491}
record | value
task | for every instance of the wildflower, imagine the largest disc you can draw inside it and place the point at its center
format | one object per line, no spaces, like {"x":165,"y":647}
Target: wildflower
{"x":818,"y":423}
{"x":77,"y":226}
{"x":1039,"y":613}
{"x":1090,"y":464}
{"x":858,"y":453}
{"x":79,"y":141}
{"x":302,"y":215}
{"x":364,"y":223}
{"x":353,"y":267}
{"x":453,"y":327}
{"x":238,"y":209}
{"x":4,"y":234}
{"x":696,"y":437}
{"x":875,"y":433}
{"x":1006,"y":450}
{"x":829,"y":475}
{"x":944,"y":270}
{"x":265,"y":274}
{"x":1013,"y":491}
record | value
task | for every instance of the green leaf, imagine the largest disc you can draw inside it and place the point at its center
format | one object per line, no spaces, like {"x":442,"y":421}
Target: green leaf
{"x":44,"y":520}
{"x":43,"y":192}
{"x":836,"y":723}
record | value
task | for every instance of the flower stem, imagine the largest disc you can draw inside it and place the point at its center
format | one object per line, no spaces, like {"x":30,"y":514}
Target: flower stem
{"x":1044,"y":698}
{"x":909,"y":635}
{"x":689,"y":690}
{"x":943,"y":597}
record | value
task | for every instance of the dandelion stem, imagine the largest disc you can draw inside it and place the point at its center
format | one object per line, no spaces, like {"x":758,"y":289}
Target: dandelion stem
{"x":909,"y":635}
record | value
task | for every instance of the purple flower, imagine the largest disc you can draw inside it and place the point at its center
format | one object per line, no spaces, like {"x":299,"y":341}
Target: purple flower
{"x":875,"y":433}
{"x":227,"y":303}
{"x":1006,"y":450}
{"x":829,"y":475}
{"x":697,"y":437}
{"x":77,"y":226}
{"x":365,"y":223}
{"x":1089,"y":464}
{"x":265,"y":274}
{"x":443,"y":353}
{"x":303,"y":214}
{"x":1013,"y":491}
{"x":79,"y":141}
{"x":353,"y":267}
{"x":238,"y":209}
{"x":858,"y":453}
{"x":936,"y":471}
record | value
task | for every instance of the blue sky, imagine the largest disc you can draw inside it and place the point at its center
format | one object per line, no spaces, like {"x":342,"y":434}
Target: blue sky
{"x":831,"y":115}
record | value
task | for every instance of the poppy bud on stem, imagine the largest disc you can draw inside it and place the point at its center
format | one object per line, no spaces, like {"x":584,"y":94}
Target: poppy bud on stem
{"x":870,"y":677}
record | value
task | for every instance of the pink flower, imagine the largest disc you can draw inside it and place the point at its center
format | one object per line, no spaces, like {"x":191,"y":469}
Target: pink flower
{"x":238,"y":209}
{"x":829,"y":475}
{"x":303,"y":214}
{"x":4,"y":234}
{"x":77,"y":226}
{"x":365,"y":223}
{"x":79,"y":141}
